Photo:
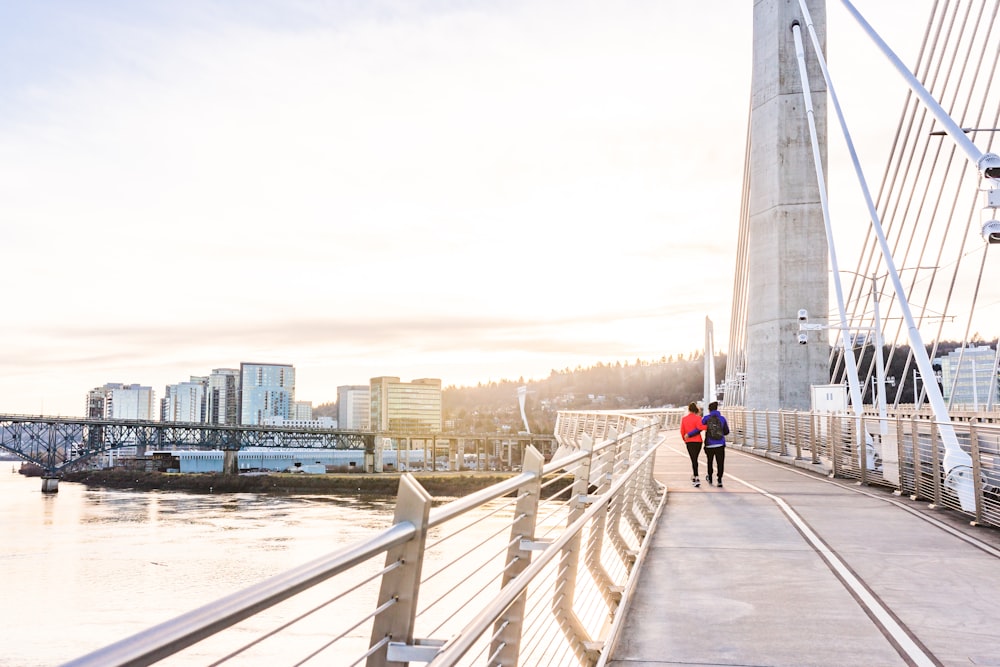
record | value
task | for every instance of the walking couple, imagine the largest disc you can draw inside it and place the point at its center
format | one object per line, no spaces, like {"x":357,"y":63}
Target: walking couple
{"x":716,"y":428}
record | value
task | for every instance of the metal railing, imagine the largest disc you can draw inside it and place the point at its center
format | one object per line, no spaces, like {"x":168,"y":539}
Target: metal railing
{"x":903,"y":451}
{"x":529,"y":571}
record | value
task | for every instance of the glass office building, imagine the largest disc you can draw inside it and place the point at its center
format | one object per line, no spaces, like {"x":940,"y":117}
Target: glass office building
{"x":405,"y":407}
{"x":266,"y":390}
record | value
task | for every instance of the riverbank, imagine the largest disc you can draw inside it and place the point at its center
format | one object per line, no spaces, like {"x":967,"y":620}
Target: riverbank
{"x":450,"y":484}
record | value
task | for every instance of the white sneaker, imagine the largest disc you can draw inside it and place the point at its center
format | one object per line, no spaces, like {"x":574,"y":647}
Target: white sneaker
{"x":696,"y":481}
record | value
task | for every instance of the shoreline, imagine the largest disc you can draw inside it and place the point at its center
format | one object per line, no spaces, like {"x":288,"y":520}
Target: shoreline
{"x":447,"y":484}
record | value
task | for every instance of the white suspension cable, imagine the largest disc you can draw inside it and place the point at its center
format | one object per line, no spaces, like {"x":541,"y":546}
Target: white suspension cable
{"x":957,"y":463}
{"x":852,"y":368}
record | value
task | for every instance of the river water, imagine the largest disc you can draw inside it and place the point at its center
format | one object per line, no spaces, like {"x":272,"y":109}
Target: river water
{"x":85,"y":567}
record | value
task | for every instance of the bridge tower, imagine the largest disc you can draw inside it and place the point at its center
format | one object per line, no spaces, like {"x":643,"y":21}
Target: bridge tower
{"x":786,"y":251}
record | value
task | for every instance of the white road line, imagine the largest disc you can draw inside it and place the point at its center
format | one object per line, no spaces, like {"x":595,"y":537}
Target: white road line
{"x":877,"y":609}
{"x":979,"y":544}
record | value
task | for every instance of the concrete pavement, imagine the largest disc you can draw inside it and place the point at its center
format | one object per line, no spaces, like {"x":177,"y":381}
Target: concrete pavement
{"x":786,"y":567}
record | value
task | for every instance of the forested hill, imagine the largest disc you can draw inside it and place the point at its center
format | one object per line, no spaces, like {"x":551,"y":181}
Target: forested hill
{"x":488,"y":406}
{"x":670,"y":381}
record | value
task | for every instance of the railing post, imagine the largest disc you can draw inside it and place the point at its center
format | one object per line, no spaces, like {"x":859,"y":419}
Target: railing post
{"x":835,"y":438}
{"x":595,"y":543}
{"x":977,"y":470}
{"x":915,"y":451}
{"x":813,"y":430}
{"x":753,"y":429}
{"x":630,"y":488}
{"x":767,"y":430}
{"x":508,"y":628}
{"x":863,"y":445}
{"x":900,"y":450}
{"x":569,"y":560}
{"x":937,"y":467}
{"x":798,"y":436}
{"x":781,"y":432}
{"x":401,"y":586}
{"x":615,"y":506}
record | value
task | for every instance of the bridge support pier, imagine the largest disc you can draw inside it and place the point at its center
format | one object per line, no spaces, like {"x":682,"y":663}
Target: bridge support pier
{"x":50,"y":484}
{"x":230,"y":464}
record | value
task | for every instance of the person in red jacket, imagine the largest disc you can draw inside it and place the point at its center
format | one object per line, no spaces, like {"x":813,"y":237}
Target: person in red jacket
{"x":691,"y":428}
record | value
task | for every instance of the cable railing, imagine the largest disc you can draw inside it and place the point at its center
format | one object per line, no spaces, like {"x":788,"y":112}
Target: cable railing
{"x":903,"y":451}
{"x":530,"y":571}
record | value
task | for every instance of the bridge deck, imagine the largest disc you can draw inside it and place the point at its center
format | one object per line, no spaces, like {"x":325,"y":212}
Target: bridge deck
{"x":731,"y":579}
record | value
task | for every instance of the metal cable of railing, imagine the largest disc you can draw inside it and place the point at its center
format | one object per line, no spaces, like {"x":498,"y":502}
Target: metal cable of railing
{"x":476,"y":521}
{"x":310,"y":612}
{"x":590,"y":537}
{"x":168,"y":638}
{"x":463,"y":642}
{"x":908,"y":453}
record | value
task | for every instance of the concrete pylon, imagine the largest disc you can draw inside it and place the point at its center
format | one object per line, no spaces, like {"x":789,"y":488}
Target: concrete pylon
{"x":787,"y":261}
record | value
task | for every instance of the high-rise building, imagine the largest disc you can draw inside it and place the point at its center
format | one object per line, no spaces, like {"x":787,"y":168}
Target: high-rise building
{"x":975,"y":382}
{"x":121,"y":401}
{"x":353,"y":407}
{"x":222,"y":399}
{"x":405,"y":407}
{"x":185,"y":401}
{"x":266,"y":390}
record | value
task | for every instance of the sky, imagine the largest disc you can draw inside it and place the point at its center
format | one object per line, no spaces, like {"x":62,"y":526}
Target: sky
{"x":471,"y":191}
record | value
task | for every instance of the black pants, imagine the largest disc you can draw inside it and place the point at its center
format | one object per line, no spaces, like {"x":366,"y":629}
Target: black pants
{"x":717,"y":453}
{"x":694,"y":449}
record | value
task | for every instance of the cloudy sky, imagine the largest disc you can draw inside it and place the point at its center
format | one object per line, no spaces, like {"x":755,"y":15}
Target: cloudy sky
{"x":464,"y":190}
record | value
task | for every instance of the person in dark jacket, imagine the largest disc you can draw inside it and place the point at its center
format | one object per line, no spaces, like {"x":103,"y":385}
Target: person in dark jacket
{"x":691,"y":428}
{"x":716,"y":430}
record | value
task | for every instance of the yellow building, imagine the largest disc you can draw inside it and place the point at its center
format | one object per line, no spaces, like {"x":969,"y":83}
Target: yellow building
{"x":405,"y":407}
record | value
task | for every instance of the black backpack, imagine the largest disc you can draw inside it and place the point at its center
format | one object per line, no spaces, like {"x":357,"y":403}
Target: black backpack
{"x":714,"y":430}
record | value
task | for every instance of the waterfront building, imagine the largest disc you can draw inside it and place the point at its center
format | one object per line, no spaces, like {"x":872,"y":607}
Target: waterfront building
{"x":299,"y":460}
{"x":222,"y":397}
{"x":326,"y":423}
{"x":973,"y":384}
{"x":185,"y":401}
{"x":121,"y":401}
{"x":266,"y":390}
{"x":405,"y":407}
{"x":353,"y":407}
{"x":302,"y":410}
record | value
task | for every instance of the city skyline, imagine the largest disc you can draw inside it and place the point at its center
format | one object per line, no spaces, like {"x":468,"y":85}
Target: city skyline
{"x":471,"y":192}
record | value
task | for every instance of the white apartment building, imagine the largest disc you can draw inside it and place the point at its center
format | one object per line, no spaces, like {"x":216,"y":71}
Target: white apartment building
{"x":354,"y":407}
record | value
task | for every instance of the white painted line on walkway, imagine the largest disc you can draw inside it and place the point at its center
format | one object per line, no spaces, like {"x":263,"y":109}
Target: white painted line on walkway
{"x":905,"y":643}
{"x":979,"y":544}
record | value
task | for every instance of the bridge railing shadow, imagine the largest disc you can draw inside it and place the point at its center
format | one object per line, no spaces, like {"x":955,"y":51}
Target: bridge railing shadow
{"x":528,"y":571}
{"x":903,"y":451}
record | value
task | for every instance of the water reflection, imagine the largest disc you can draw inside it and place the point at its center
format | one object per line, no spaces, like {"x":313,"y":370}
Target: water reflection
{"x":85,"y":567}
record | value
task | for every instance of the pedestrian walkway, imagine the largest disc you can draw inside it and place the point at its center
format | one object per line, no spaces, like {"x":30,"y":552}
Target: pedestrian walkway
{"x":783,"y":567}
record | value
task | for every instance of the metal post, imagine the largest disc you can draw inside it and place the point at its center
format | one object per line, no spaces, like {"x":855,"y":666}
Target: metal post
{"x":864,"y":452}
{"x":917,"y":462}
{"x":595,"y":543}
{"x":879,"y":360}
{"x":565,"y":584}
{"x":977,"y":470}
{"x":835,"y":443}
{"x":615,"y":511}
{"x":401,"y":586}
{"x":935,"y":467}
{"x":798,"y":437}
{"x":506,"y":644}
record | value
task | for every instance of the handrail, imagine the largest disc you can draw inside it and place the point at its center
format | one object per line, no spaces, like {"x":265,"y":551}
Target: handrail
{"x":168,"y":638}
{"x":903,"y":451}
{"x":459,"y":646}
{"x":597,"y":519}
